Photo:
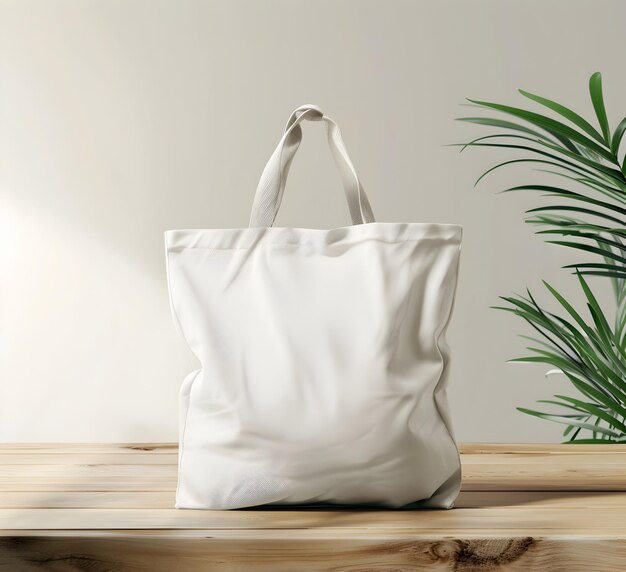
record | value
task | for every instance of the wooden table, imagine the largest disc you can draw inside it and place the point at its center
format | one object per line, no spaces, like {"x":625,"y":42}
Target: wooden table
{"x":109,"y":508}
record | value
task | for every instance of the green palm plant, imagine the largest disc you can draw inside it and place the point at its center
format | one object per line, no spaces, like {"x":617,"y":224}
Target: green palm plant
{"x":586,"y":212}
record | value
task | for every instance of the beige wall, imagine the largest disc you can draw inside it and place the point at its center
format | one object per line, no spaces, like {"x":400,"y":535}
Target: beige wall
{"x":120,"y":119}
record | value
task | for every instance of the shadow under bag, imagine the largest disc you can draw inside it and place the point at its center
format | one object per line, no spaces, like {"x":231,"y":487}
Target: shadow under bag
{"x":323,"y":361}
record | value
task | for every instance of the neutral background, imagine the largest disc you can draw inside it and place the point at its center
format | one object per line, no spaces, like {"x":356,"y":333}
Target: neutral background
{"x":120,"y":119}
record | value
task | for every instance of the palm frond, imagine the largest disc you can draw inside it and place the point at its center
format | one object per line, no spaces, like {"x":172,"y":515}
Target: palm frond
{"x":585,"y":213}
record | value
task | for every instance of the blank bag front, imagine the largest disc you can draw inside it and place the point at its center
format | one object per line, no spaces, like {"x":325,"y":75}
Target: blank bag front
{"x":323,"y":365}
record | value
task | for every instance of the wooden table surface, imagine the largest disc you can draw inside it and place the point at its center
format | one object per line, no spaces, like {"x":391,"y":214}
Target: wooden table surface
{"x":109,"y":508}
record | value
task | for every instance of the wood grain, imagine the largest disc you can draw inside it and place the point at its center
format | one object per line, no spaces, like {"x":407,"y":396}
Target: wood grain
{"x":523,"y":520}
{"x":109,"y":507}
{"x":396,"y":554}
{"x":165,"y":499}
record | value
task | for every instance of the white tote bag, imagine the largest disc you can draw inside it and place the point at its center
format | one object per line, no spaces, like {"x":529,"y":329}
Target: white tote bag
{"x":323,"y":362}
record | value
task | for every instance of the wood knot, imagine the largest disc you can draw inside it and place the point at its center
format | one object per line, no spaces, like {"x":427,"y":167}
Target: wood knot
{"x":482,"y":553}
{"x":139,"y":448}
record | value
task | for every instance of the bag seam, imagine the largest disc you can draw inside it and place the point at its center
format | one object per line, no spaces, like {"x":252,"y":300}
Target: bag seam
{"x":182,"y":333}
{"x":445,"y":364}
{"x":303,"y":243}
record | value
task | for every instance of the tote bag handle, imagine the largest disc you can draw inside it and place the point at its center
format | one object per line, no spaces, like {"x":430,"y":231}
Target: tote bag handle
{"x":271,"y":186}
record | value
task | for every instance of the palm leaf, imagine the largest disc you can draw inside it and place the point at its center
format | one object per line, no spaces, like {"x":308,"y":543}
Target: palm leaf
{"x":547,"y":124}
{"x":590,"y":349}
{"x":595,"y":90}
{"x":567,"y":113}
{"x":617,"y":137}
